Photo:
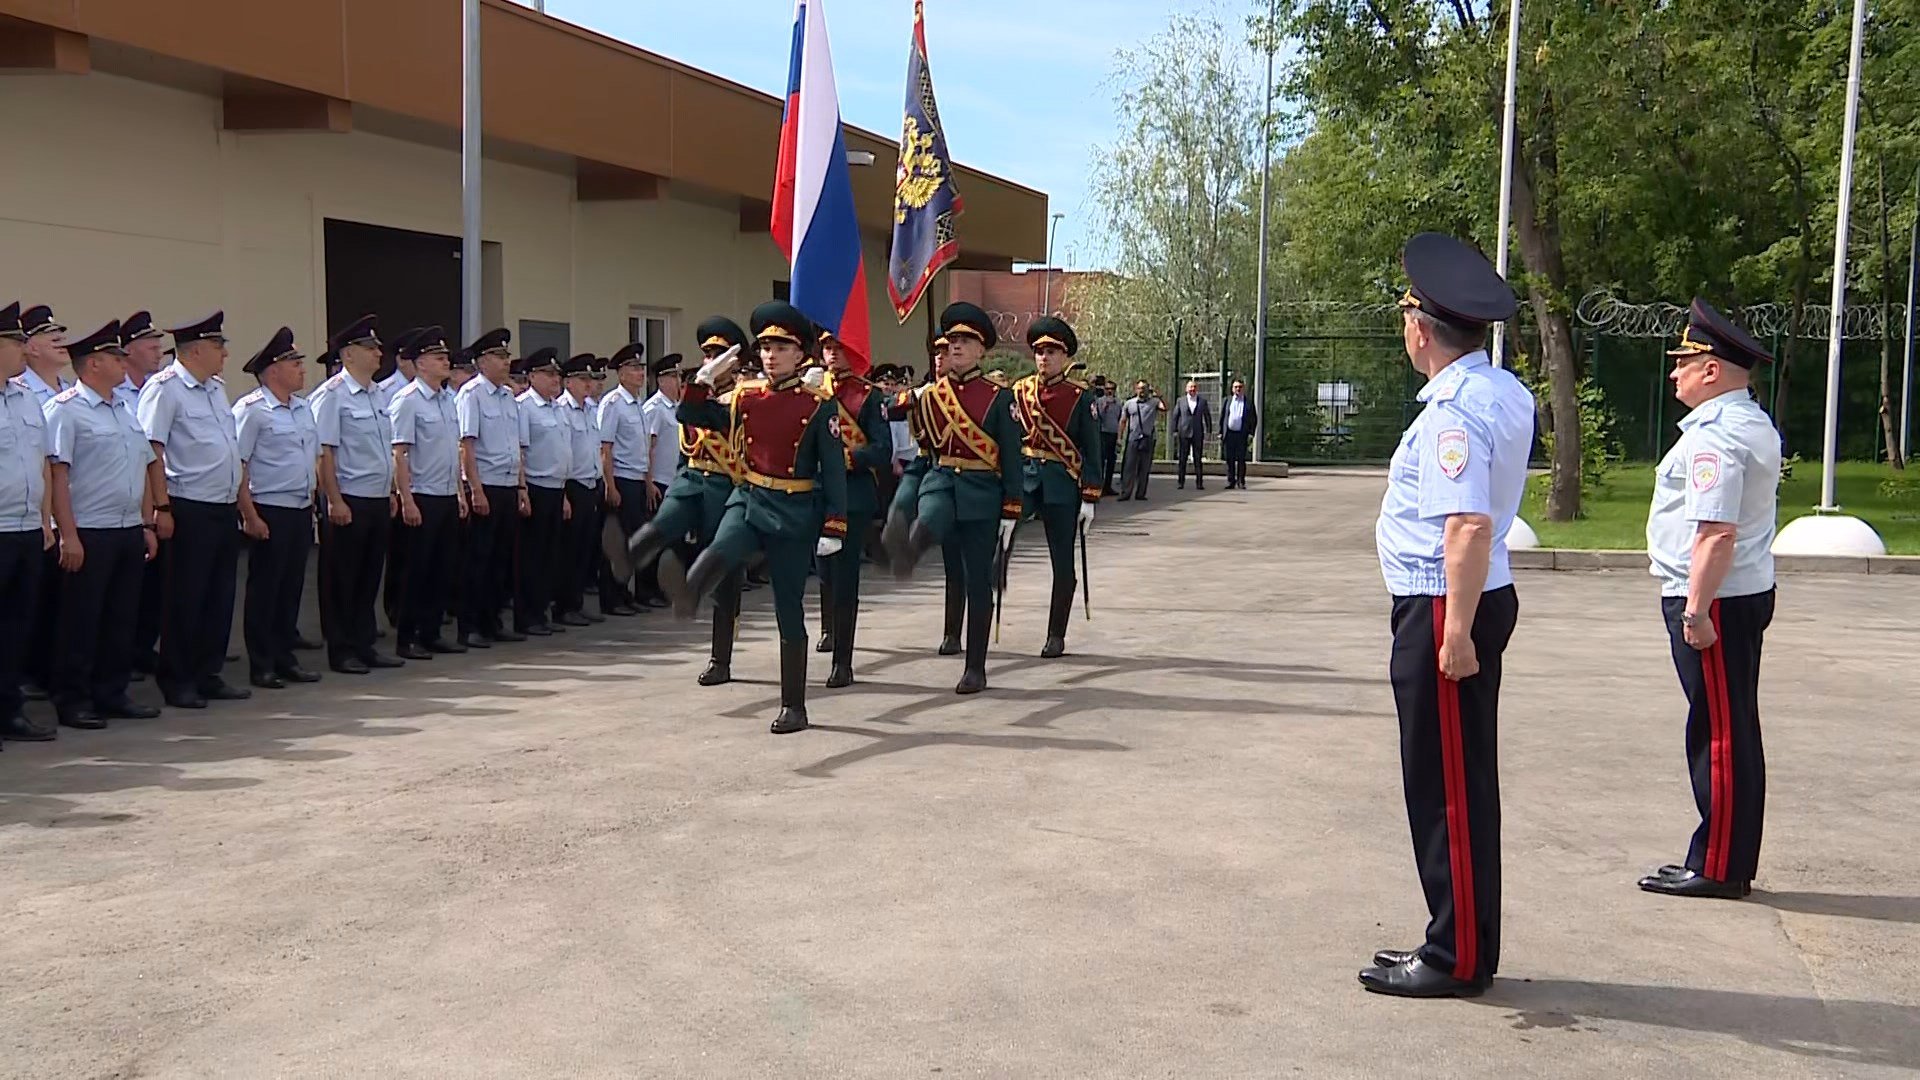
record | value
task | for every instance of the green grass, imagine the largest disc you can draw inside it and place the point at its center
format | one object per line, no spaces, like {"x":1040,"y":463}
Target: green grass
{"x":1616,"y":514}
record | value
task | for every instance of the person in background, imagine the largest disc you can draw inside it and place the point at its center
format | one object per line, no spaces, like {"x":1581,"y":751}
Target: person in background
{"x":426,"y":480}
{"x":867,"y":441}
{"x":1239,"y":426}
{"x":490,"y":461}
{"x":147,"y":353}
{"x":397,"y":369}
{"x":26,"y":526}
{"x":1106,"y":412}
{"x":1189,"y":426}
{"x":356,"y":478}
{"x":660,"y":426}
{"x":1139,"y":423}
{"x":278,"y":445}
{"x":547,"y":441}
{"x":625,"y":461}
{"x":46,"y":359}
{"x":579,"y":541}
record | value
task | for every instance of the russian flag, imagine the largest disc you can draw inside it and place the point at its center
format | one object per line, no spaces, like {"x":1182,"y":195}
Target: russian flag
{"x":813,"y":219}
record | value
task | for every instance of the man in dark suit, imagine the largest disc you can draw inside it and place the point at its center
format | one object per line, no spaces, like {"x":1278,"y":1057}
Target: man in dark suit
{"x":1239,"y":426}
{"x":1191,"y":422}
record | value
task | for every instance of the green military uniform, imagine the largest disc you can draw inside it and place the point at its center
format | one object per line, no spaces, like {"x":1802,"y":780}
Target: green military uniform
{"x":868,"y":442}
{"x":974,"y":482}
{"x":1063,"y":469}
{"x":793,"y":494}
{"x":905,"y":507}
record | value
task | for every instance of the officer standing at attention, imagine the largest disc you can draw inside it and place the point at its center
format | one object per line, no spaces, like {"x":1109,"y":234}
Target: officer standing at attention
{"x":98,"y":480}
{"x":146,"y":355}
{"x":426,"y":478}
{"x":792,"y":504}
{"x":278,"y":447}
{"x":580,"y":540}
{"x":547,"y":441}
{"x":490,"y":461}
{"x":697,"y":500}
{"x":1710,"y":538}
{"x":396,"y":370}
{"x":46,"y":348}
{"x":867,"y":437}
{"x":185,"y":412}
{"x":626,"y":462}
{"x":356,"y":476}
{"x":1064,"y":465}
{"x":972,"y":492}
{"x":26,"y":527}
{"x":1454,"y":488}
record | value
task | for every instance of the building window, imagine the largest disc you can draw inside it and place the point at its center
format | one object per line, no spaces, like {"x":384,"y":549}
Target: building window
{"x":653,"y":328}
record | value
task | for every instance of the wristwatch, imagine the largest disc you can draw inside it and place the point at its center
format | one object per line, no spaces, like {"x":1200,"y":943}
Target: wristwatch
{"x":1689,"y":620}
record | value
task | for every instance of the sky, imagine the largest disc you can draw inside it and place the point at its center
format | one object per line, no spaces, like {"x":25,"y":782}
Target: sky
{"x":1024,"y":86}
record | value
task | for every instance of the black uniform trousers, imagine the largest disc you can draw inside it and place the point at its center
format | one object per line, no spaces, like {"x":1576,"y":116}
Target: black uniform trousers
{"x":539,"y":556}
{"x":579,"y":548}
{"x":1724,"y":754}
{"x":276,"y":579}
{"x":1137,"y":468}
{"x":352,"y":558}
{"x":22,"y":561}
{"x":1450,"y":768}
{"x":1184,"y":447}
{"x":1233,"y":447}
{"x":153,"y":604}
{"x":490,"y":543}
{"x":633,"y":514}
{"x":199,"y":597}
{"x":1109,"y":457}
{"x":395,"y":589}
{"x":45,"y":619}
{"x":431,"y":556}
{"x":93,"y":637}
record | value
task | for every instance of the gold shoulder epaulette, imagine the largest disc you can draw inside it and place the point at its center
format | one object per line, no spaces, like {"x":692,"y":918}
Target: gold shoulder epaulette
{"x":999,"y":379}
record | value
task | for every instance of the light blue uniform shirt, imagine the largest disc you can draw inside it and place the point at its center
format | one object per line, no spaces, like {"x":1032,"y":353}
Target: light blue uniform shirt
{"x":623,"y":423}
{"x":41,"y":391}
{"x":547,"y":439}
{"x":106,"y":455}
{"x":193,"y":421}
{"x":584,"y":426}
{"x":129,"y":394}
{"x":663,"y":427}
{"x":424,"y":421}
{"x":1466,"y":453}
{"x":491,"y":418}
{"x":1726,"y":469}
{"x":360,"y":434}
{"x":385,"y":390}
{"x":279,"y":443}
{"x":23,"y":458}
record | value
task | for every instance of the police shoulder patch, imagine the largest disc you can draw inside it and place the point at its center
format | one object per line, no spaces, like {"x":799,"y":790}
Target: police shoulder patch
{"x":1451,"y":449}
{"x":1706,"y":470}
{"x":167,"y":375}
{"x":68,"y":394}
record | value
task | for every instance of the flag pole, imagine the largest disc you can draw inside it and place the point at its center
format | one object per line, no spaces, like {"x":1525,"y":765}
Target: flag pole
{"x":1260,"y":272}
{"x":470,"y":170}
{"x":1507,"y":125}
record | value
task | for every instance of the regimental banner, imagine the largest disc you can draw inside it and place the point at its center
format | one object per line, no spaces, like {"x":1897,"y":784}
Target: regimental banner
{"x":926,"y":204}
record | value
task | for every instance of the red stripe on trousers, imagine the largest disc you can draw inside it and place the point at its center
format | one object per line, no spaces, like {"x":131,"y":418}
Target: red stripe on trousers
{"x":1713,"y":665}
{"x":1466,"y":927}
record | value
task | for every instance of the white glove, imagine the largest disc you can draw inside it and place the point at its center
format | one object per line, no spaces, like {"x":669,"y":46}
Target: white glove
{"x":1006,"y":532}
{"x":1086,"y":515}
{"x":828,"y":547}
{"x":716,"y":369}
{"x":814,"y":378}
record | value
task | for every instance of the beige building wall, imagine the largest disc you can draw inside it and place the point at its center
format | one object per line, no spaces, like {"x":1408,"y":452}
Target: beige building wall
{"x":135,"y":198}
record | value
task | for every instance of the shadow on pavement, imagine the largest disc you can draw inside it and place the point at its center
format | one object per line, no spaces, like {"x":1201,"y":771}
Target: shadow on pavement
{"x":1905,"y":909}
{"x":886,"y":742}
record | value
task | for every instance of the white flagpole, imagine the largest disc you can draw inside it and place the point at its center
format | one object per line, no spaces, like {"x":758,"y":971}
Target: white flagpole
{"x":470,"y":170}
{"x":1841,"y":221}
{"x":1507,"y":126}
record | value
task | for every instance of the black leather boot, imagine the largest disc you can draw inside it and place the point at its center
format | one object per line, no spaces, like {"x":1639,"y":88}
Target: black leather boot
{"x":956,"y":614}
{"x":726,"y":620}
{"x":979,"y":629}
{"x":919,"y":540}
{"x":846,"y":616}
{"x":628,"y":555}
{"x":1058,"y":616}
{"x":685,"y":593}
{"x":893,"y":538}
{"x":793,"y":688}
{"x":827,"y":612}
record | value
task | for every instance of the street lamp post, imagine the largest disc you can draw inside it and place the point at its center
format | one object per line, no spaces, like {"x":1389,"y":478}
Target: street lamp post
{"x":1046,"y":301}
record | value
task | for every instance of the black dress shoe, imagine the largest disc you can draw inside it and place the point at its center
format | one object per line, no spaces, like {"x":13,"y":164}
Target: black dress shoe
{"x":590,"y":616}
{"x":83,"y":718}
{"x":476,"y":641}
{"x":1414,"y":979}
{"x":510,"y":636}
{"x":33,"y":692}
{"x":266,"y":680}
{"x":382,"y":660}
{"x":125,"y":709}
{"x":181,"y":699}
{"x":1692,"y":884}
{"x":18,"y":728}
{"x":825,"y":644}
{"x":534,"y":630}
{"x":301,"y":644}
{"x":1393,"y":957}
{"x":791,"y":719}
{"x":619,"y":611}
{"x":351,"y":665}
{"x":296,"y":674}
{"x":232,"y":656}
{"x":1055,"y":647}
{"x":840,"y":677}
{"x":445,"y":648}
{"x":221,"y":690}
{"x":950,"y":646}
{"x":971,"y":682}
{"x":717,"y":674}
{"x":574,"y":618}
{"x":410,"y":651}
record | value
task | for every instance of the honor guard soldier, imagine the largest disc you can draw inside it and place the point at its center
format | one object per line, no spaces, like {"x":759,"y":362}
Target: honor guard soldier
{"x":1710,"y":538}
{"x":972,"y":491}
{"x":1453,"y":491}
{"x":697,"y":500}
{"x":278,"y":447}
{"x":491,"y":462}
{"x":186,"y":415}
{"x":625,"y":464}
{"x":792,"y":504}
{"x":868,"y":440}
{"x":547,"y":441}
{"x":356,"y":477}
{"x":426,"y":476}
{"x":580,"y":540}
{"x":98,"y":480}
{"x":1062,"y":448}
{"x":26,"y":527}
{"x":906,"y":506}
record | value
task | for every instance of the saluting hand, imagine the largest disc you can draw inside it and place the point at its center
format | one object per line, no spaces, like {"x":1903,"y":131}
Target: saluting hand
{"x":715,"y":369}
{"x":1458,"y":659}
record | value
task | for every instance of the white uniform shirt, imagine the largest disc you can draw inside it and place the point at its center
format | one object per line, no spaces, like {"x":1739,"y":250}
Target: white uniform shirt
{"x":491,"y":418}
{"x":660,"y":418}
{"x":1466,"y":453}
{"x":279,"y":442}
{"x":23,"y":457}
{"x":1726,"y":469}
{"x":547,"y":439}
